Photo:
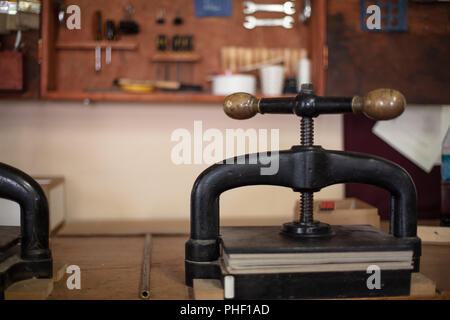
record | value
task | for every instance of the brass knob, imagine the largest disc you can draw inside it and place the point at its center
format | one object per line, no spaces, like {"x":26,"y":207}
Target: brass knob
{"x":380,"y":104}
{"x":241,"y":105}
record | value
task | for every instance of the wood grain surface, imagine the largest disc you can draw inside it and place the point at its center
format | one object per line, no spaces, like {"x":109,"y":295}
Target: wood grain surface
{"x":111,"y":266}
{"x":415,"y":62}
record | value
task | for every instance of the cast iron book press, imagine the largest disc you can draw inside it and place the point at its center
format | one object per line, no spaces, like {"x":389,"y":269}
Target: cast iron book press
{"x":306,"y":258}
{"x":24,"y":250}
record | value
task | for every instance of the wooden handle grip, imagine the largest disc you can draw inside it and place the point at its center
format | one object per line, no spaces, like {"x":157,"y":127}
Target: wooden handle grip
{"x":380,"y":104}
{"x":241,"y":105}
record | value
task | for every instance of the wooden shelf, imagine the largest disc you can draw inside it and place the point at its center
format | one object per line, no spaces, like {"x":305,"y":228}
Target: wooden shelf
{"x":91,"y":45}
{"x":158,"y":96}
{"x":176,"y":57}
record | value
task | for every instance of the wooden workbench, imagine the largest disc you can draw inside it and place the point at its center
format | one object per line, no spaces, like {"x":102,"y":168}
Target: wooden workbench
{"x":111,"y":266}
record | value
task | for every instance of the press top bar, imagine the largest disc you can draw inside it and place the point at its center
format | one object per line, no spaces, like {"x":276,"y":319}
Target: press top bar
{"x":380,"y":104}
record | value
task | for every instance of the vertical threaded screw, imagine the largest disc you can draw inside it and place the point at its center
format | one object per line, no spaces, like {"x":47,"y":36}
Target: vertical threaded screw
{"x":306,"y":198}
{"x":307,"y":131}
{"x":306,"y":205}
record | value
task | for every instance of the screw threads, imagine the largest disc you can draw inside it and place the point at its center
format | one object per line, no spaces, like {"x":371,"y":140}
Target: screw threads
{"x":306,"y":208}
{"x":306,"y":131}
{"x":306,"y":198}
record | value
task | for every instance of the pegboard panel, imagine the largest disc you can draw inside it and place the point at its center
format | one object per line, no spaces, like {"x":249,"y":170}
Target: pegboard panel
{"x":73,"y":70}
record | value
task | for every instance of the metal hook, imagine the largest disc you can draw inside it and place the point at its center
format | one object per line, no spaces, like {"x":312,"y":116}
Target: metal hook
{"x":305,"y":13}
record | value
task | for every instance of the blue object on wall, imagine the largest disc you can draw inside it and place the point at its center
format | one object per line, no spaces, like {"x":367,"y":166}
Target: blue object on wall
{"x":213,"y":8}
{"x":394,"y":14}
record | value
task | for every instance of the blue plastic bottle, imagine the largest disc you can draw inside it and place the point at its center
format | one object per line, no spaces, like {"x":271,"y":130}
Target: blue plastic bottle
{"x":445,"y":184}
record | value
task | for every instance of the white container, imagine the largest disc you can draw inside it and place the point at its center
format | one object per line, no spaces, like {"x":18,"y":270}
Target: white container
{"x":272,"y":80}
{"x":226,"y":84}
{"x":303,"y":72}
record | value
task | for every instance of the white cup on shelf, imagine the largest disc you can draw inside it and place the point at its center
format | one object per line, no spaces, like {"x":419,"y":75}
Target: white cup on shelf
{"x":228,"y":83}
{"x":272,"y":80}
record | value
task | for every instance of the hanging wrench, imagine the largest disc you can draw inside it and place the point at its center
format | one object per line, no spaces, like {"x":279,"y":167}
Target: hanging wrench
{"x":251,"y":22}
{"x":287,"y":7}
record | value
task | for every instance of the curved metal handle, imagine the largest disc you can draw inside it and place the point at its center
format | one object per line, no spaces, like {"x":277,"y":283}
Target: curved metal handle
{"x":17,"y":186}
{"x":299,"y":170}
